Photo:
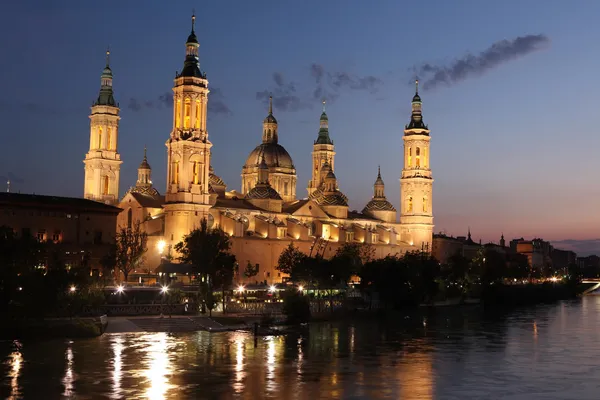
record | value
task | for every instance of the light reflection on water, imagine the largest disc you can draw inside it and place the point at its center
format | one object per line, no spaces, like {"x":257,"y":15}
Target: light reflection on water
{"x":548,"y":352}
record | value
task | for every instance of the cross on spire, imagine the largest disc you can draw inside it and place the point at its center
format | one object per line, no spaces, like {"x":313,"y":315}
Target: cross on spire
{"x":193,"y":18}
{"x":270,"y":104}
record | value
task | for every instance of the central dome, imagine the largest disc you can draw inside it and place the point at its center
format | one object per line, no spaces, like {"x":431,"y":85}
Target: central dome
{"x":274,"y":155}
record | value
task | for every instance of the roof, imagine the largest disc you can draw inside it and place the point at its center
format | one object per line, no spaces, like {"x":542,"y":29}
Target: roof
{"x":262,"y":191}
{"x":234,"y":203}
{"x":292,"y":207}
{"x":379,"y":204}
{"x":55,"y":202}
{"x":147,"y":200}
{"x":274,"y":155}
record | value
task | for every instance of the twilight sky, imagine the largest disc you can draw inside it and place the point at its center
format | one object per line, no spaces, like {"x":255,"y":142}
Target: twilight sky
{"x":507,"y":94}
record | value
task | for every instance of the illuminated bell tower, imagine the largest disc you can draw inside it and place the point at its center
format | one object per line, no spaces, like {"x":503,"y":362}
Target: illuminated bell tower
{"x":188,"y":149}
{"x":416,"y":214}
{"x":323,"y":152}
{"x":102,"y":161}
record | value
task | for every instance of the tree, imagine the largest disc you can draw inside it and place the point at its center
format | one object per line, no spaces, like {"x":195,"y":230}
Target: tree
{"x":130,"y":249}
{"x":208,"y":251}
{"x":290,"y":259}
{"x":251,"y":270}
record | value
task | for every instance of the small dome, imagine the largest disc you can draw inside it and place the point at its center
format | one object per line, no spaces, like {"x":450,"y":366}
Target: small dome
{"x":336,"y":198}
{"x":324,"y":116}
{"x":107,"y":72}
{"x":378,"y":205}
{"x":144,"y":164}
{"x":273,"y":154}
{"x":263,"y":192}
{"x":416,"y":98}
{"x":192,"y":38}
{"x":330,"y":175}
{"x":270,"y":119}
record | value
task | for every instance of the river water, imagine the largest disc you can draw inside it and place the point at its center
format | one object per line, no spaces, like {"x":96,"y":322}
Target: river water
{"x":544,"y":352}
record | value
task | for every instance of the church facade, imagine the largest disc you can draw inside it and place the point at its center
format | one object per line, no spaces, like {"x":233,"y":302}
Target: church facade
{"x":267,"y":213}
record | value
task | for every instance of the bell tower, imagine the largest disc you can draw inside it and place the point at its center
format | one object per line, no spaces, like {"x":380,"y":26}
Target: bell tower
{"x":188,"y":149}
{"x":323,"y":152}
{"x":102,"y":161}
{"x":416,"y":215}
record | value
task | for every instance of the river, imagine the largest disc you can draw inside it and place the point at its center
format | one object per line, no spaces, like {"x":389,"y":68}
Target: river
{"x":544,"y":352}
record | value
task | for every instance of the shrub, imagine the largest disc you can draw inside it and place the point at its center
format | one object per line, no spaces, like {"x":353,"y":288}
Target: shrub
{"x":296,"y":307}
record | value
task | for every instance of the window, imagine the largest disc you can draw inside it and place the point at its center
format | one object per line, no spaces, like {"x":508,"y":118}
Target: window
{"x":129,"y":218}
{"x":105,"y":185}
{"x":425,"y":163}
{"x":98,"y":237}
{"x":41,"y":236}
{"x":99,"y":137}
{"x":197,"y":116}
{"x":418,"y":157}
{"x":196,"y":170}
{"x":187,"y":111}
{"x":409,"y":157}
{"x":375,"y":238}
{"x":285,"y":188}
{"x":425,"y":204}
{"x":109,"y":139}
{"x":349,"y":236}
{"x":56,"y":237}
{"x":175,"y":173}
{"x":409,"y":204}
{"x":178,"y":114}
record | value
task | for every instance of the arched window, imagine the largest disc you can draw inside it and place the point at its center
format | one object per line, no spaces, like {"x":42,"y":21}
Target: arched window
{"x":178,"y":114}
{"x":99,"y":137}
{"x":409,"y":157}
{"x":105,"y":185}
{"x":196,"y":172}
{"x":187,"y":114}
{"x":109,"y":139}
{"x":409,"y":204}
{"x":425,"y":158}
{"x":418,"y":157}
{"x":425,"y":204}
{"x":285,"y":188}
{"x":175,"y":173}
{"x":129,"y":218}
{"x":197,"y":116}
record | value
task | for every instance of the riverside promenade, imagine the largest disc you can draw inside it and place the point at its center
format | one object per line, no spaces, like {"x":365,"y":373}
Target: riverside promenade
{"x":177,"y":323}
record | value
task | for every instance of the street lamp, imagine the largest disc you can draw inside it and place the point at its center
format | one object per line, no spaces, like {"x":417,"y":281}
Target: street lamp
{"x":161,"y":247}
{"x":72,"y":289}
{"x":120,"y":289}
{"x":164,"y":289}
{"x":300,"y":288}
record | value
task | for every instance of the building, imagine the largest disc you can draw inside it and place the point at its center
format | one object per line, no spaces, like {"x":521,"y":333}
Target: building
{"x":538,"y":251}
{"x":81,"y":229}
{"x":562,"y":259}
{"x":266,"y":214}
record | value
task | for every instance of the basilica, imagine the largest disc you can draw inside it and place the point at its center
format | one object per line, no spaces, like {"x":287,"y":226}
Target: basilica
{"x":267,"y":213}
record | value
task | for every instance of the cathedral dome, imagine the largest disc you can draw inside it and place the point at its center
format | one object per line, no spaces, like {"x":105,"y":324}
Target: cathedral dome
{"x":273,"y":154}
{"x":263,"y":192}
{"x":379,"y":205}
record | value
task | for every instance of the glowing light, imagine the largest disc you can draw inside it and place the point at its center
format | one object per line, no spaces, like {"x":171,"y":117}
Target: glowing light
{"x":164,"y":289}
{"x":158,"y":366}
{"x":72,"y":289}
{"x":68,"y":379}
{"x":272,"y":289}
{"x":120,"y":289}
{"x":161,"y":246}
{"x":554,"y":279}
{"x":241,"y":288}
{"x":16,"y":364}
{"x":411,"y":243}
{"x":300,"y":288}
{"x":117,"y":347}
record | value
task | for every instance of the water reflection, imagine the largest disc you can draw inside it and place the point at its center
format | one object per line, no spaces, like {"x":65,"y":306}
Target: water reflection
{"x":117,"y":348}
{"x":68,"y":378}
{"x":15,"y":363}
{"x":158,"y":366}
{"x":453,"y":356}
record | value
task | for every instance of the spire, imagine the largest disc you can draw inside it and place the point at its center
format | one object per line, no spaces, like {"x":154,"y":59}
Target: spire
{"x":144,"y":172}
{"x":416,"y":118}
{"x":379,"y":185}
{"x":270,"y":134}
{"x":144,"y":163}
{"x":106,"y":95}
{"x":191,"y":66}
{"x":469,"y":234}
{"x":323,"y":137}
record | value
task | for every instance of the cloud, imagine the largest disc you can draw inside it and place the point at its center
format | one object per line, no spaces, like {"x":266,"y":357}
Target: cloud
{"x":581,"y":247}
{"x":471,"y":65}
{"x":285,"y":96}
{"x":323,"y":85}
{"x":216,"y":103}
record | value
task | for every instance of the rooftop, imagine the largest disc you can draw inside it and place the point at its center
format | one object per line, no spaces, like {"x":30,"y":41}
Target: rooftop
{"x":54,"y":202}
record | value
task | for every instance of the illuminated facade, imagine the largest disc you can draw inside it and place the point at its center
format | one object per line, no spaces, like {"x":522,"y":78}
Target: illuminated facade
{"x":266,"y":215}
{"x":103,"y":162}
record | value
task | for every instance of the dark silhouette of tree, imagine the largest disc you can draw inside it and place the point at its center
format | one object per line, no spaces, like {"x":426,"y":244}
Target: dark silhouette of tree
{"x":208,"y":251}
{"x":251,"y":270}
{"x":130,"y":249}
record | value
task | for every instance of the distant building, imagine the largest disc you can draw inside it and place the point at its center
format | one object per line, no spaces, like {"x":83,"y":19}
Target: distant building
{"x":561,"y":259}
{"x":81,"y":229}
{"x":445,"y":247}
{"x":538,"y":251}
{"x":589,"y":266}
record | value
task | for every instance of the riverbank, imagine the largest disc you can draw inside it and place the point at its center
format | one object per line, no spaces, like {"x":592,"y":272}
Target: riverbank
{"x":47,"y":328}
